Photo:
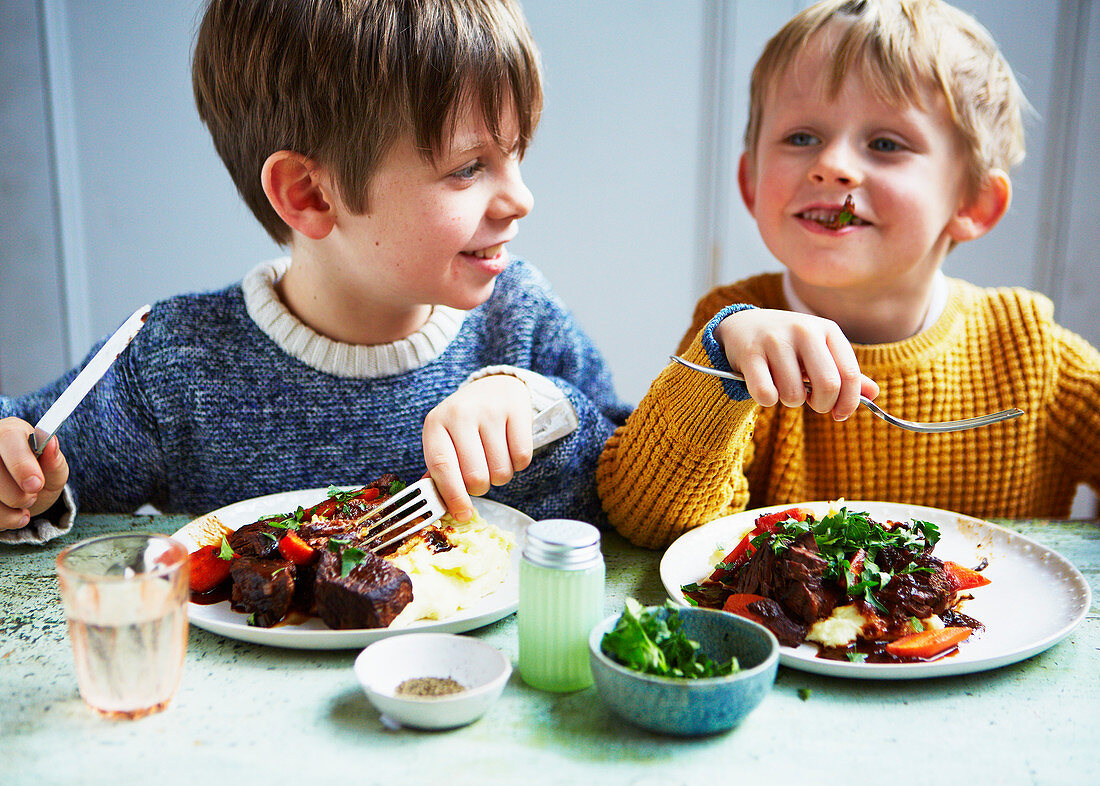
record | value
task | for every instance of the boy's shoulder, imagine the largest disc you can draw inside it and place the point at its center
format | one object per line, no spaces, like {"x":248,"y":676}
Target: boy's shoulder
{"x":196,"y":320}
{"x":200,"y":310}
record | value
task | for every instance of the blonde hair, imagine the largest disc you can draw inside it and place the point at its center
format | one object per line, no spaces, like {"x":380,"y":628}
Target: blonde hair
{"x":339,"y":81}
{"x":902,"y":47}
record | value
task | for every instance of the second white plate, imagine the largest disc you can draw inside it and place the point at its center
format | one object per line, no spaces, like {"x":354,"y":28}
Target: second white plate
{"x":1035,"y":598}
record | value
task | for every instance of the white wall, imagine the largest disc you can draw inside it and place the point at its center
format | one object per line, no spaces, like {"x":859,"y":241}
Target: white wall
{"x":112,"y":195}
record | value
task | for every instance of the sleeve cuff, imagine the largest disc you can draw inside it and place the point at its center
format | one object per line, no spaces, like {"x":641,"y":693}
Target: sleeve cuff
{"x":553,"y":415}
{"x":53,"y":523}
{"x":737,"y":391}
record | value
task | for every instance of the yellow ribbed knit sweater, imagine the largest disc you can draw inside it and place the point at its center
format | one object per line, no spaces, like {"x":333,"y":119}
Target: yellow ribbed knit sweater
{"x":690,"y":454}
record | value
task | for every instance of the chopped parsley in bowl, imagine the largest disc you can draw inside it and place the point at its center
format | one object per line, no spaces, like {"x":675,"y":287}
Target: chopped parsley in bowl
{"x":682,"y":671}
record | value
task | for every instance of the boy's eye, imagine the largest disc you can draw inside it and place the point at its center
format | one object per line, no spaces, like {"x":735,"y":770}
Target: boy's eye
{"x":469,"y":171}
{"x":884,"y":145}
{"x":801,"y":139}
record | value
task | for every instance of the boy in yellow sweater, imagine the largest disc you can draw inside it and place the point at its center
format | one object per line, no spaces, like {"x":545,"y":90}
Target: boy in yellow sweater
{"x":908,"y":107}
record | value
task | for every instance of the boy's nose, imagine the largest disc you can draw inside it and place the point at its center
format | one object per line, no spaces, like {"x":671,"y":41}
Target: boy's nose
{"x":514,"y":199}
{"x":835,"y":164}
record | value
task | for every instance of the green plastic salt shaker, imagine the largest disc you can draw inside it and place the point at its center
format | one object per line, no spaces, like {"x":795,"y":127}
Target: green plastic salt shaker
{"x":561,"y":595}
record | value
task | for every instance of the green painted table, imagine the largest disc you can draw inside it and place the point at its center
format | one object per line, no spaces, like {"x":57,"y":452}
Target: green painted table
{"x":252,"y":714}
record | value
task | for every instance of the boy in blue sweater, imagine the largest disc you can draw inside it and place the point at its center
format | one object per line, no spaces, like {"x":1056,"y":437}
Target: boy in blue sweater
{"x":381,"y":146}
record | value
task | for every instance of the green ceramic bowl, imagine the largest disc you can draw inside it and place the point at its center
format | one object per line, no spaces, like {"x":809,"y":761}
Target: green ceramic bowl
{"x":691,"y":707}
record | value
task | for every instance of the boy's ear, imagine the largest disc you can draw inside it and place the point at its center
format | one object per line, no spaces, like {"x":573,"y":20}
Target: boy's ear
{"x":977,"y":216}
{"x":298,"y":192}
{"x":745,"y":182}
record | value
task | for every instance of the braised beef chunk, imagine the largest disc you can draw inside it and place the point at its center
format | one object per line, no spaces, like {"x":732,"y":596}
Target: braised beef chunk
{"x":370,"y":596}
{"x":792,"y":577}
{"x":798,"y":584}
{"x":920,"y":593}
{"x":771,"y":614}
{"x":263,"y":588}
{"x":755,"y":576}
{"x":258,"y":540}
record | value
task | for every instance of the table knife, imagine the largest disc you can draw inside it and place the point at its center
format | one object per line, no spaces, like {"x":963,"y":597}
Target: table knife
{"x":85,"y":380}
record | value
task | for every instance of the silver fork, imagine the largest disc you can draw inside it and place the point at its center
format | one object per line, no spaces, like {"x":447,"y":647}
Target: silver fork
{"x":908,"y":425}
{"x":405,"y":507}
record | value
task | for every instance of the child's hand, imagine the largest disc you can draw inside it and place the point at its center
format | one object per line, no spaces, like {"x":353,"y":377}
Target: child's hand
{"x":29,"y":484}
{"x":478,"y":436}
{"x":777,"y":351}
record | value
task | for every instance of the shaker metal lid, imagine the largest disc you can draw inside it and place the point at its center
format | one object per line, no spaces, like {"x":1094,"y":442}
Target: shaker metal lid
{"x":563,"y":544}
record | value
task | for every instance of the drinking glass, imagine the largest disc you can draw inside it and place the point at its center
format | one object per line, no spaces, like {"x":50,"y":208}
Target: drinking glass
{"x":125,"y":598}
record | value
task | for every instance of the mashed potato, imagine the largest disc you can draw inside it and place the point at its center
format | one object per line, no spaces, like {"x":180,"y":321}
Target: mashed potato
{"x":839,"y":629}
{"x":445,"y":582}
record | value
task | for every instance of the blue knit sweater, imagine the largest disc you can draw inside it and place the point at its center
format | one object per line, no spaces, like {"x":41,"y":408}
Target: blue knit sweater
{"x":206,"y":408}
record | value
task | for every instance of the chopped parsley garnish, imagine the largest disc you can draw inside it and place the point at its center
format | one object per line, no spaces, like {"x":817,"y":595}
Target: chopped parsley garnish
{"x":350,"y":557}
{"x":341,"y":495}
{"x":289,"y":521}
{"x":644,"y":641}
{"x":225,"y":551}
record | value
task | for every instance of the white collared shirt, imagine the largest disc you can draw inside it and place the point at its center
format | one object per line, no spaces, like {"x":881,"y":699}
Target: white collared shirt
{"x":936,"y":303}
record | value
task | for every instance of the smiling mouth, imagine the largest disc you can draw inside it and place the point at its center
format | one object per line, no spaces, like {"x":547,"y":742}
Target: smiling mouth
{"x":490,"y":252}
{"x":830,"y":218}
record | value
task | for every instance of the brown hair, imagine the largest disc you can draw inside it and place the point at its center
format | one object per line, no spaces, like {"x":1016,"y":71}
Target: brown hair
{"x":339,"y":81}
{"x":902,"y":47}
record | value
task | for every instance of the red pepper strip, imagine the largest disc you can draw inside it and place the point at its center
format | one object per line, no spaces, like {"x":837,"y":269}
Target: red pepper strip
{"x":734,"y":558}
{"x":295,"y":549}
{"x":325,"y":509}
{"x":769,"y":522}
{"x":962,"y":578}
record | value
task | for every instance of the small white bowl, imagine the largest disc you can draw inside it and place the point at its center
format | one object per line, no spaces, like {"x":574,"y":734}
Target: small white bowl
{"x":481,"y":669}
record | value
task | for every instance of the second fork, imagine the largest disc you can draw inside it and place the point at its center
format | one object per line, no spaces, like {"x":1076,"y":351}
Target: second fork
{"x":909,"y":425}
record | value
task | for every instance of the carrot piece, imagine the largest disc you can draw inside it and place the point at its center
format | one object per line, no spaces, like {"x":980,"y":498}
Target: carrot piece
{"x":208,"y":570}
{"x":295,"y":549}
{"x":738,"y":604}
{"x":963,"y":578}
{"x":927,"y":643}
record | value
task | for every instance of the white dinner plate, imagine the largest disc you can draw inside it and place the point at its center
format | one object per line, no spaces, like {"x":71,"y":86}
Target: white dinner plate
{"x":314,"y":634}
{"x":1034,"y":599}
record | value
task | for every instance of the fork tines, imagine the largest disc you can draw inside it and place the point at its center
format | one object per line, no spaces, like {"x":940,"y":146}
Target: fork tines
{"x":412,"y":510}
